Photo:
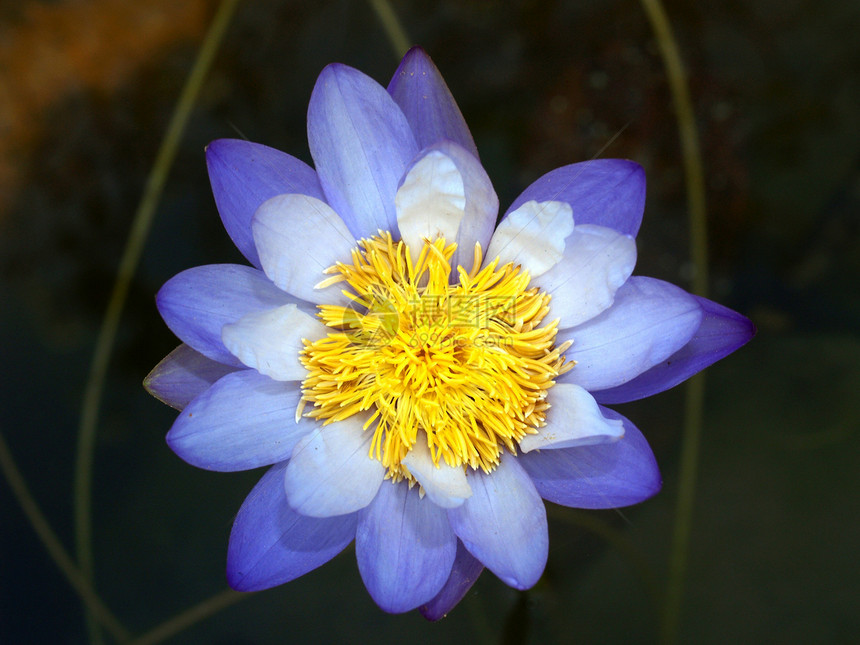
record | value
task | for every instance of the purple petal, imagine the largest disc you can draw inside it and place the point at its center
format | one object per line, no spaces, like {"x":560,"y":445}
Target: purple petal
{"x":404,"y":547}
{"x":420,"y":91}
{"x":649,"y":321}
{"x":361,"y":144}
{"x":198,"y":302}
{"x":182,"y":375}
{"x":271,"y":544}
{"x":465,"y":572}
{"x":244,"y":175}
{"x":503,"y":523}
{"x":607,"y":192}
{"x":246,"y":420}
{"x":722,"y":331}
{"x":607,"y":475}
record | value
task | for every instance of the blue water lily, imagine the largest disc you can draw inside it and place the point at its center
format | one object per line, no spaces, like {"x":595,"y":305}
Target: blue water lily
{"x":418,"y":377}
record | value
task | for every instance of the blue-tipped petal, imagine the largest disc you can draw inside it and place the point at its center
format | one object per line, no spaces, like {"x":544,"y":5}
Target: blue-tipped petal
{"x":431,"y":200}
{"x":198,"y":302}
{"x":597,"y":262}
{"x":722,"y":331}
{"x":245,"y":420}
{"x":244,"y":175}
{"x":298,"y":237}
{"x":573,"y":419}
{"x":182,"y":375}
{"x":271,"y":544}
{"x":465,"y":572}
{"x":331,"y":472}
{"x":420,"y":91}
{"x":404,"y":547}
{"x":532,"y":236}
{"x":270,"y":341}
{"x":444,"y":485}
{"x":447,"y":192}
{"x":607,"y":475}
{"x":503,"y":523}
{"x":482,"y":205}
{"x":649,"y":321}
{"x":361,"y":144}
{"x":606,"y":192}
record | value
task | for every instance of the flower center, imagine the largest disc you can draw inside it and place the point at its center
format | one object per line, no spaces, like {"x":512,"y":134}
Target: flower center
{"x":466,"y":363}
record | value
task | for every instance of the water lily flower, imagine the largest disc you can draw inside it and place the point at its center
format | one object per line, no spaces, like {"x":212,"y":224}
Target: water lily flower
{"x":418,"y":378}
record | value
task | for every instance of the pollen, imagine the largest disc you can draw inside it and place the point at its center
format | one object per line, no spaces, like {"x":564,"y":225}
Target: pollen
{"x":463,"y":358}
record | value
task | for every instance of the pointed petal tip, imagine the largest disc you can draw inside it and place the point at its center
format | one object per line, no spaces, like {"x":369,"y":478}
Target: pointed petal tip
{"x":607,"y":192}
{"x":405,"y":549}
{"x":417,"y":50}
{"x":721,"y":332}
{"x":420,"y":90}
{"x":271,"y":544}
{"x":504,"y":523}
{"x":214,"y":147}
{"x":150,"y":384}
{"x":361,"y":143}
{"x":237,"y":580}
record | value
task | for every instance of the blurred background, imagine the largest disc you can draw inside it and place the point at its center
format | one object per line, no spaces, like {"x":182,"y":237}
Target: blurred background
{"x":86,"y":90}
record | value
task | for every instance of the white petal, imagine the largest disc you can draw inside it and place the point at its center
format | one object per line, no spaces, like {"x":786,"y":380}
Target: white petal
{"x":482,"y":205}
{"x":597,"y":261}
{"x":430,"y":202}
{"x":573,"y":419}
{"x":297,"y":237}
{"x":446,"y":486}
{"x":331,"y":473}
{"x":532,"y":236}
{"x":270,"y":341}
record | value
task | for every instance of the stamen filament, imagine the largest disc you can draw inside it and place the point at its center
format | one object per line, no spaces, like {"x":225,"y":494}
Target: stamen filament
{"x":469,"y":363}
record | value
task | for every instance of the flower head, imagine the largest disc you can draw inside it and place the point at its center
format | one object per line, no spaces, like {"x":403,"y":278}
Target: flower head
{"x":417,"y":377}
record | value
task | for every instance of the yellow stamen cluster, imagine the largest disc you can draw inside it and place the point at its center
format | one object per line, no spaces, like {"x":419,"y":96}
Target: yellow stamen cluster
{"x":466,"y":363}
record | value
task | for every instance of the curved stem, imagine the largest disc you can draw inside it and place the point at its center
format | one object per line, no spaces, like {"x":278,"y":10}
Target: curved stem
{"x":55,"y":549}
{"x":189,"y":617}
{"x":393,"y":29}
{"x":127,"y":267}
{"x":694,"y":175}
{"x":695,"y":392}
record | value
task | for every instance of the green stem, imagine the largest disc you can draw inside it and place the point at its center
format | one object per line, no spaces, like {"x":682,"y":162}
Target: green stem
{"x":189,"y":617}
{"x":393,"y":29}
{"x":695,"y":392}
{"x":55,"y":549}
{"x":691,"y":154}
{"x":689,"y":462}
{"x":127,"y":267}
